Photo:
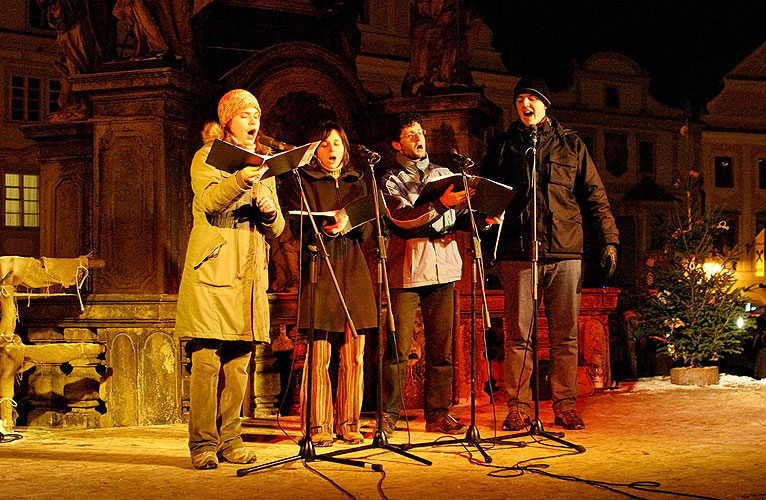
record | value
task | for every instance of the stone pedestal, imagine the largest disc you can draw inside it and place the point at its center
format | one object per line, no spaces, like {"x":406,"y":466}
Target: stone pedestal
{"x":138,"y":382}
{"x":144,"y":376}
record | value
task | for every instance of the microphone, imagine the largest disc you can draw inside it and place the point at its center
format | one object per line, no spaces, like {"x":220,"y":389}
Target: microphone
{"x":371,"y":156}
{"x":533,"y":134}
{"x":274,"y":143}
{"x":458,"y":158}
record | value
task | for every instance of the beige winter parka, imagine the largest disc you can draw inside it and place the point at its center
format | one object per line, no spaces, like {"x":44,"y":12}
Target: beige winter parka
{"x":225,"y":277}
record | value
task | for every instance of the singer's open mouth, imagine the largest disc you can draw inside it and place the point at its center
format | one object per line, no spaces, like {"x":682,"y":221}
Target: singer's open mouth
{"x":528,"y":113}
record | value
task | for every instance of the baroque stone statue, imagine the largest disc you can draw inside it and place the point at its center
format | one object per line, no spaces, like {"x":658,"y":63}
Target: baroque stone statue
{"x":160,"y":28}
{"x":441,"y":36}
{"x":83,"y":37}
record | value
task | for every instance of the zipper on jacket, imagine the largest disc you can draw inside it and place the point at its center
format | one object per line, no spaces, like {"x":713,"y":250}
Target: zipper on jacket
{"x":342,"y":238}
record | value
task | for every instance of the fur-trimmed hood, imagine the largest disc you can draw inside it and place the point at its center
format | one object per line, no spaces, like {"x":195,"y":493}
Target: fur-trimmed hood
{"x":210,"y":132}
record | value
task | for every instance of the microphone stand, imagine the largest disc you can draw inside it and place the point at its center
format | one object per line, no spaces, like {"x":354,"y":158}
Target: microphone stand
{"x":536,"y":426}
{"x":477,"y":267}
{"x":307,"y":450}
{"x":379,"y":438}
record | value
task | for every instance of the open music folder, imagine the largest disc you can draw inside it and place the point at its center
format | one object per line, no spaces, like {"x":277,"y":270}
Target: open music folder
{"x":358,"y":211}
{"x":491,"y":197}
{"x":230,"y":158}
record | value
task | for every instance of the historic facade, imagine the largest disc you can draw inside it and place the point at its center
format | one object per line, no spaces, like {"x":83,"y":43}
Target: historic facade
{"x":102,"y":107}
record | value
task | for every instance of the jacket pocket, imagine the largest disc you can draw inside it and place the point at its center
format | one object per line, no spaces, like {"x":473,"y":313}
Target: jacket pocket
{"x":209,"y":247}
{"x":215,"y":263}
{"x":566,"y":234}
{"x":563,"y":170}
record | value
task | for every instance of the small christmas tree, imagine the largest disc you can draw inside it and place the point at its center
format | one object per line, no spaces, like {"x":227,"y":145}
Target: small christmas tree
{"x":692,"y":303}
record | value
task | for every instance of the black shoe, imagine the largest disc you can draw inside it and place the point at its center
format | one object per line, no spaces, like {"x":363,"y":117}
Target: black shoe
{"x":446,"y":425}
{"x":516,"y":420}
{"x":568,"y":419}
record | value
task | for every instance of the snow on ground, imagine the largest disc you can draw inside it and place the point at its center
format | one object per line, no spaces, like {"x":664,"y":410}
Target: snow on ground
{"x":662,"y":384}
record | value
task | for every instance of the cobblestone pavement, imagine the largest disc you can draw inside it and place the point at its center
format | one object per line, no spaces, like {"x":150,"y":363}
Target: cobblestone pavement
{"x":703,"y":442}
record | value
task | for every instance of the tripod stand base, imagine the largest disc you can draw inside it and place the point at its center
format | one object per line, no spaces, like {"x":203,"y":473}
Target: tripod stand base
{"x":536,"y":429}
{"x":308,"y":453}
{"x":380,"y":441}
{"x":471,"y":438}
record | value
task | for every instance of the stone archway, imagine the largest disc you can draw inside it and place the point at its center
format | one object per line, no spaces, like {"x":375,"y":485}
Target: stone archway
{"x":302,"y":67}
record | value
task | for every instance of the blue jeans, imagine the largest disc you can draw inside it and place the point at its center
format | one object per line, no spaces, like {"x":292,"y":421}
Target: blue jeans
{"x":437,"y":306}
{"x":559,"y":285}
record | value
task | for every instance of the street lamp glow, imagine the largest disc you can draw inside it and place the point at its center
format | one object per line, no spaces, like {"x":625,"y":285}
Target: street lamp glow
{"x":711,"y":268}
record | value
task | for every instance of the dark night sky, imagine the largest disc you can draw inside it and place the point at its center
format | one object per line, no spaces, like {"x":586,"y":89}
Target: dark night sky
{"x":687,"y":46}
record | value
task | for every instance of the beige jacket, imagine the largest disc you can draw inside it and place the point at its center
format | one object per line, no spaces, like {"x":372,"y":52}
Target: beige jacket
{"x":223,"y":286}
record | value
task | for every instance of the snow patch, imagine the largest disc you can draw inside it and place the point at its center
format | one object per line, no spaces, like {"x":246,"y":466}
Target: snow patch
{"x":662,"y":384}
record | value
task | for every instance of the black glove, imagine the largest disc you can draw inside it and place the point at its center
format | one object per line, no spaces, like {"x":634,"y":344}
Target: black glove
{"x":608,"y":261}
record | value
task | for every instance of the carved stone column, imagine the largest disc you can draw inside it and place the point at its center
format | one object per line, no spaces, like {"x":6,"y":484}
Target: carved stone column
{"x":145,"y":129}
{"x":266,"y":383}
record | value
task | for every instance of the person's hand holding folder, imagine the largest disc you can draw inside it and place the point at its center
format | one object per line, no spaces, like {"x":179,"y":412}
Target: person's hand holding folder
{"x":341,"y":219}
{"x":454,"y":199}
{"x":495,"y":220}
{"x":250,"y":174}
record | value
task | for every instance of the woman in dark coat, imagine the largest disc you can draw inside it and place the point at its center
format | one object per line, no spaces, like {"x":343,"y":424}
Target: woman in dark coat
{"x":329,"y":184}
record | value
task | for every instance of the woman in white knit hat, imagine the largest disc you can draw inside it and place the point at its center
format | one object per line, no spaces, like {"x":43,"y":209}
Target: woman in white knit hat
{"x":222,"y":303}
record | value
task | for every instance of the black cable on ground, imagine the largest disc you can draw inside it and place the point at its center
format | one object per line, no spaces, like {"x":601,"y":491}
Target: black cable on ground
{"x":380,"y":485}
{"x":10,"y":437}
{"x":519,"y":469}
{"x":344,"y":490}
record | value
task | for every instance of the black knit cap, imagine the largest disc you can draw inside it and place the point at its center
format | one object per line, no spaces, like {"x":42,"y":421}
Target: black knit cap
{"x":535,"y":86}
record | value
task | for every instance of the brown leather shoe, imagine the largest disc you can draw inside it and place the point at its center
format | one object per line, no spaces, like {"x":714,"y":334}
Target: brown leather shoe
{"x":389,"y":424}
{"x":351,"y":437}
{"x":568,"y":419}
{"x":516,"y":420}
{"x":446,"y":424}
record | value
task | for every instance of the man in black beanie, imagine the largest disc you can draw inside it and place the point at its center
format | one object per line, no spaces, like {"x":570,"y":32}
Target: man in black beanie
{"x":568,"y":189}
